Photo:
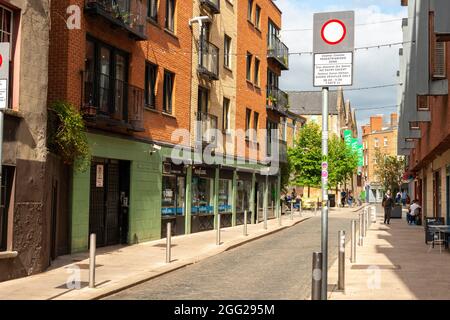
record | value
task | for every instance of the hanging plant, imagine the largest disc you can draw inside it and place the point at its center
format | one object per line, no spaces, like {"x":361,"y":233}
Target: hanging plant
{"x":67,"y":135}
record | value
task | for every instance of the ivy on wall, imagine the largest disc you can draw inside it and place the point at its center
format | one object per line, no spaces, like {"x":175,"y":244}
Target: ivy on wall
{"x":67,"y":135}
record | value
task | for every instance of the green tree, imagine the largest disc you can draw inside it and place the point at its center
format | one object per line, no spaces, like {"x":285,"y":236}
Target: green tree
{"x":389,"y":170}
{"x":306,"y":157}
{"x":342,"y":161}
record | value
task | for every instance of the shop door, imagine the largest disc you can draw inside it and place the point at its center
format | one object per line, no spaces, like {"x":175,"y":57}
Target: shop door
{"x":106,"y":202}
{"x":437,"y":193}
{"x":447,"y":219}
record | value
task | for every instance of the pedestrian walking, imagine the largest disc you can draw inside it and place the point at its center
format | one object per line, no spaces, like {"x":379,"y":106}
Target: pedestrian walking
{"x":388,"y":204}
{"x":343,"y":197}
{"x":398,"y":197}
{"x":404,"y":197}
{"x":350,"y":199}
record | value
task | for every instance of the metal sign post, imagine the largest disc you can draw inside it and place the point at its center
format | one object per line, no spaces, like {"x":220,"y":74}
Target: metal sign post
{"x":333,"y":66}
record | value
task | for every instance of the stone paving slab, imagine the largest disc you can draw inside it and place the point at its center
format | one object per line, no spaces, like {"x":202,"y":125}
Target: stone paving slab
{"x":394,"y":264}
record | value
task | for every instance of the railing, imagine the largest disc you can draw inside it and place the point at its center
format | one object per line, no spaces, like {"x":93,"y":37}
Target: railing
{"x":208,"y":59}
{"x":278,"y":51}
{"x":114,"y":99}
{"x":206,"y":128}
{"x":128,"y":14}
{"x":212,"y":5}
{"x":277,"y":99}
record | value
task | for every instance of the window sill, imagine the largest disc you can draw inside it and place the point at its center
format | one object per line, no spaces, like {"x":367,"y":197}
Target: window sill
{"x":228,"y":68}
{"x":8,"y":254}
{"x":249,"y":82}
{"x":153,"y":22}
{"x":171,"y":33}
{"x":168,"y":115}
{"x":152,"y":109}
{"x":250,"y":22}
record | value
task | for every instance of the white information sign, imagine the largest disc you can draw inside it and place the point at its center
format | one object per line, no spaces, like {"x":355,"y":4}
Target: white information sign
{"x":100,"y":176}
{"x":3,"y":94}
{"x":333,"y":69}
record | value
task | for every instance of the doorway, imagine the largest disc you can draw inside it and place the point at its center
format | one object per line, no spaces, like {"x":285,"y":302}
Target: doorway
{"x":447,"y":218}
{"x":108,"y":208}
{"x":437,"y":194}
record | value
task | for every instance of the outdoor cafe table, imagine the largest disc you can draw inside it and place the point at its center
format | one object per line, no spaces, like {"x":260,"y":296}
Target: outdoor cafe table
{"x":445,"y":229}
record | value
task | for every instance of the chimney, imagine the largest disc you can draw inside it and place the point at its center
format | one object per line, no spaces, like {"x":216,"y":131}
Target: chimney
{"x":394,"y":119}
{"x":376,"y":123}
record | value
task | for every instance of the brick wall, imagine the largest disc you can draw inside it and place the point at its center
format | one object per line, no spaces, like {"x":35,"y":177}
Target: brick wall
{"x":168,"y":51}
{"x":254,"y":41}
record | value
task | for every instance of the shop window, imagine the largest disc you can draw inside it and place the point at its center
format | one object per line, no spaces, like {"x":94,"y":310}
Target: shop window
{"x":202,"y":195}
{"x":225,"y":191}
{"x":244,"y":189}
{"x":173,"y":190}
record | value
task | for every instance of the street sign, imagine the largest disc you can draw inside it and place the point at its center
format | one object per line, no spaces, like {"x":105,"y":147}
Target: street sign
{"x":360,"y":155}
{"x":348,"y":136}
{"x":355,"y":145}
{"x":333,"y":69}
{"x":334,"y":32}
{"x":333,"y":46}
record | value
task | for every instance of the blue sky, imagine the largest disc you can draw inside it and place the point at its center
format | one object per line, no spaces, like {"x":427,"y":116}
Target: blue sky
{"x":372,"y":67}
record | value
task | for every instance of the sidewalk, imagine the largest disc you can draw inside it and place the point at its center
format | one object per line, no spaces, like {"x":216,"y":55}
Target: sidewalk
{"x":120,"y":267}
{"x":394,"y":264}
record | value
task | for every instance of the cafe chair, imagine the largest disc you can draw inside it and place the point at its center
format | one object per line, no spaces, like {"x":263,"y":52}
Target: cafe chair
{"x":438,"y":239}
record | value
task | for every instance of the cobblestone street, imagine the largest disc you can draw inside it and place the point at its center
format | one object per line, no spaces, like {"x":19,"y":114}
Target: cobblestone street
{"x":274,"y":267}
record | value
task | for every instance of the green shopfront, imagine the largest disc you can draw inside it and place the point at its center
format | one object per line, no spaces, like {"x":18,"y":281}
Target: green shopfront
{"x":130,"y":194}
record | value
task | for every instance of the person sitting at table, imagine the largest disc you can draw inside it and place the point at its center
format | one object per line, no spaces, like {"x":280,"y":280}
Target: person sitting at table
{"x":414,"y":210}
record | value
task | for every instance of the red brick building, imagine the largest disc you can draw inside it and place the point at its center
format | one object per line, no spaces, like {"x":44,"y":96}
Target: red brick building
{"x":261,"y":104}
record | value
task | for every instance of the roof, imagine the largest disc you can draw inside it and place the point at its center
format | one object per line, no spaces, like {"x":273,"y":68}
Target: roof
{"x":310,"y":102}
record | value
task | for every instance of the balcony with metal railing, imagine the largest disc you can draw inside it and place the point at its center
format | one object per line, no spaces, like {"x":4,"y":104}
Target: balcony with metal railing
{"x":277,"y":99}
{"x":278,"y":51}
{"x":128,"y":15}
{"x":112,"y":103}
{"x":211,"y":5}
{"x":208,"y":64}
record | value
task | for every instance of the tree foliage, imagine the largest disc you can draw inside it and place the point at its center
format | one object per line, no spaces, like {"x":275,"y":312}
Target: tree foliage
{"x":342,"y":161}
{"x":305,"y":159}
{"x":389,"y":170}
